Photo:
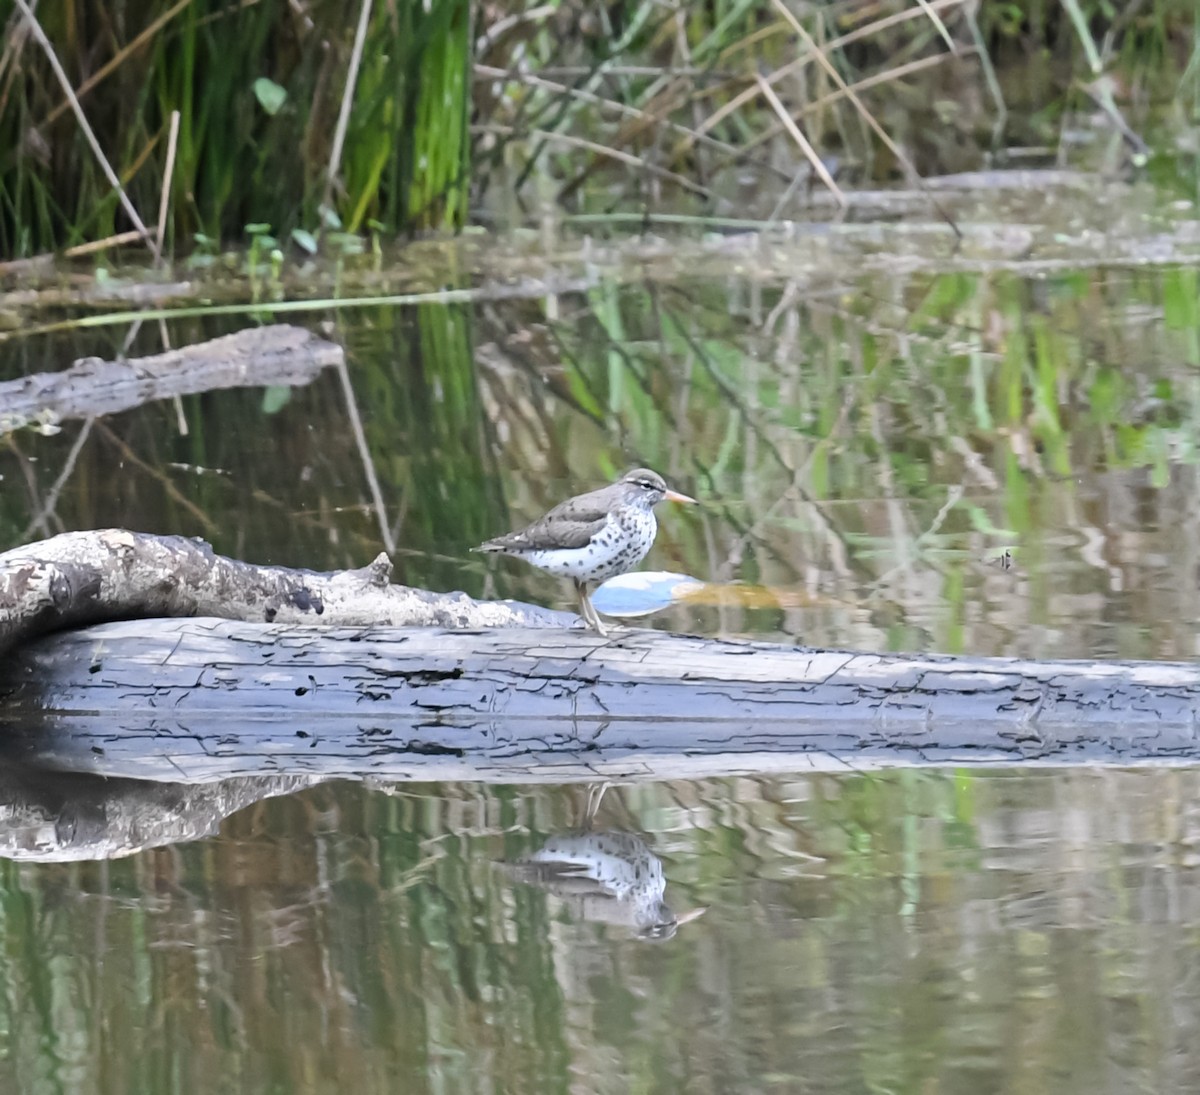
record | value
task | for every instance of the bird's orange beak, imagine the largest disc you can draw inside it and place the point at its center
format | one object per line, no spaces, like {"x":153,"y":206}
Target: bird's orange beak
{"x":675,"y":496}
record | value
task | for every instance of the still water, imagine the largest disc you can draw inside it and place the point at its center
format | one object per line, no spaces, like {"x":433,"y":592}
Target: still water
{"x":901,"y":932}
{"x":966,"y":456}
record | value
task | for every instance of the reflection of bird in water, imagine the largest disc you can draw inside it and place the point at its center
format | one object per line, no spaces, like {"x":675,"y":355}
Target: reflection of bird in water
{"x":606,"y":876}
{"x":593,"y":536}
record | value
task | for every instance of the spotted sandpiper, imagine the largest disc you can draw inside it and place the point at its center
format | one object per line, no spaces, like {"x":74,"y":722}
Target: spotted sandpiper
{"x":605,"y":877}
{"x":593,"y":536}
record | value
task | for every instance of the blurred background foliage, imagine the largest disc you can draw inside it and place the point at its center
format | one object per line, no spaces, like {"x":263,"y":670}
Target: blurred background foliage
{"x":881,"y":416}
{"x":490,"y":111}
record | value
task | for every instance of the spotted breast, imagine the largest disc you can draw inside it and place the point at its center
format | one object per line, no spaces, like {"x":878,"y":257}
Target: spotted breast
{"x":620,"y":545}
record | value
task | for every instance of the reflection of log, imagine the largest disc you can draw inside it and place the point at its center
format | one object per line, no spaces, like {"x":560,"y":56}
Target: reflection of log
{"x":278,"y":354}
{"x":206,"y":699}
{"x":81,"y":578}
{"x":47,"y":816}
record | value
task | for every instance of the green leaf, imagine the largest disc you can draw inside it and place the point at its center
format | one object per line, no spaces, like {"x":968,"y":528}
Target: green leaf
{"x":275,"y":398}
{"x":269,"y":94}
{"x":304,"y":240}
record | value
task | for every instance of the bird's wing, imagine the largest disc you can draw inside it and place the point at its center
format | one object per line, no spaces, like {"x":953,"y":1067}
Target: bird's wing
{"x":570,"y":524}
{"x":563,"y":879}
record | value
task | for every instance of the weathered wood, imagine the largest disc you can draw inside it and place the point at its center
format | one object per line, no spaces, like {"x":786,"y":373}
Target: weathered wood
{"x":276,"y":354}
{"x":208,"y":699}
{"x":82,"y":578}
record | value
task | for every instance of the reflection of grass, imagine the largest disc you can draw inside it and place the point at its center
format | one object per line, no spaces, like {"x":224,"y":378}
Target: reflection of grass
{"x":869,"y":453}
{"x":881,"y":921}
{"x":424,"y":422}
{"x":887,"y":448}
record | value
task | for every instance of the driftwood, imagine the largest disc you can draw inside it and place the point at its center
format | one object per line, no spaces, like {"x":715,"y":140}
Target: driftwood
{"x":278,"y":354}
{"x":452,"y":695}
{"x":201,"y":700}
{"x":82,"y":578}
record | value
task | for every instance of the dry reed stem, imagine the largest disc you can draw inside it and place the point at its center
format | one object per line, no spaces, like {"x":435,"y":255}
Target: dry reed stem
{"x":164,"y":201}
{"x":61,"y":75}
{"x":841,"y":42}
{"x":936,"y":20}
{"x":14,"y":43}
{"x":528,"y":79}
{"x":50,"y":503}
{"x":600,"y":150}
{"x":798,"y":136}
{"x":824,"y":101}
{"x":92,"y":246}
{"x":210,"y":526}
{"x":107,"y":69}
{"x":364,"y":453}
{"x":867,"y":116}
{"x":343,"y":122}
{"x":501,"y":27}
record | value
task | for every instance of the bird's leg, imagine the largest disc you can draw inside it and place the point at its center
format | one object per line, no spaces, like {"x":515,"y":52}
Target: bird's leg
{"x":595,"y":796}
{"x":589,"y":610}
{"x":590,"y":616}
{"x":597,"y":623}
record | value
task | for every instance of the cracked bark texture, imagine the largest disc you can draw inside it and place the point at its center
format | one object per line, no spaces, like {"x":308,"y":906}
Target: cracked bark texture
{"x":82,"y":578}
{"x":207,"y":699}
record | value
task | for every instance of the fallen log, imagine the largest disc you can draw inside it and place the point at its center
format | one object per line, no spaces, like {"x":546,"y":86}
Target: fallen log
{"x":202,"y":700}
{"x":276,"y":354}
{"x":82,"y":578}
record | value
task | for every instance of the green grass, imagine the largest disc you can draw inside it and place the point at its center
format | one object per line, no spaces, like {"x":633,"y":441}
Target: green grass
{"x":238,"y":161}
{"x":599,"y":108}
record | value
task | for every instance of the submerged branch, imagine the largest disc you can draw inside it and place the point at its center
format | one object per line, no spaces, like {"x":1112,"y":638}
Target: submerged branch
{"x":92,"y":387}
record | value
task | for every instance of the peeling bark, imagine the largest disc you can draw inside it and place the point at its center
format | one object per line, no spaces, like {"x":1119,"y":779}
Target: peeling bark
{"x":82,"y":578}
{"x":205,"y":699}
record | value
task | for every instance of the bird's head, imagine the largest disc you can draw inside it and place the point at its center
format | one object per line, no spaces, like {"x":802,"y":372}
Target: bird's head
{"x":651,"y":489}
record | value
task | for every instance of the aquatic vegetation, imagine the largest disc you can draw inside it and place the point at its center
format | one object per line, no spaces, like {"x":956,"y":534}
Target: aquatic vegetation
{"x":409,"y":116}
